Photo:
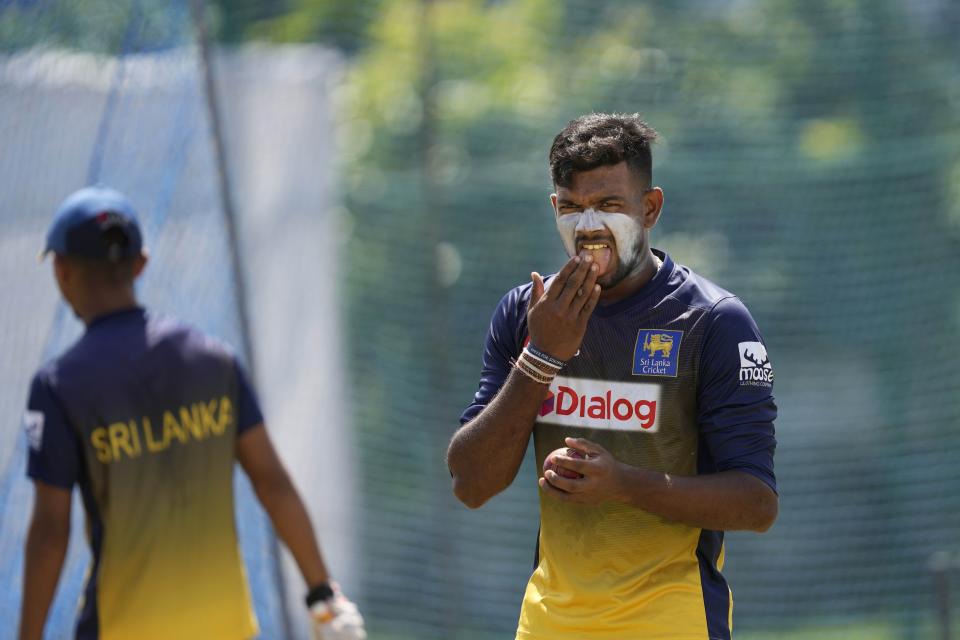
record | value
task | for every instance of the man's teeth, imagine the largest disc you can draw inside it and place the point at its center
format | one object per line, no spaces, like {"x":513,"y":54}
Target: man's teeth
{"x":593,"y":247}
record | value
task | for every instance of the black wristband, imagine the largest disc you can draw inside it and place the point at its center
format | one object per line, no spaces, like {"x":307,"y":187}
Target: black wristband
{"x":545,"y":356}
{"x":318,"y":593}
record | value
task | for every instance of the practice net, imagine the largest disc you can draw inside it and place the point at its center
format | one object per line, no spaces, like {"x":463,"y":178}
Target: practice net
{"x":810,"y":159}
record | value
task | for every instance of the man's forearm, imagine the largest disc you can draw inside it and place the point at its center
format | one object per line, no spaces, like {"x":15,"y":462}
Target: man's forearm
{"x":725,"y":501}
{"x":485,"y":454}
{"x":292,"y":524}
{"x":45,"y":551}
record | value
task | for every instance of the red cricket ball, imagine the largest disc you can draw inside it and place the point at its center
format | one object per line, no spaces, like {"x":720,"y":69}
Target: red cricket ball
{"x":551,"y":464}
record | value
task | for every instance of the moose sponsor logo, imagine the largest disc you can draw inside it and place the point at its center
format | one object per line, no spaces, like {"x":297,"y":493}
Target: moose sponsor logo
{"x":656,"y":352}
{"x":755,"y":367}
{"x":600,"y":404}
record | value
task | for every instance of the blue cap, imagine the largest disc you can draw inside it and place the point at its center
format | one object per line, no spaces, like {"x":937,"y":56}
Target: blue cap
{"x":79,"y":227}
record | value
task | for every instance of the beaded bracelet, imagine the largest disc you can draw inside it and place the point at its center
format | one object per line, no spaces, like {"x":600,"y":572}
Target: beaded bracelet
{"x":534,"y":374}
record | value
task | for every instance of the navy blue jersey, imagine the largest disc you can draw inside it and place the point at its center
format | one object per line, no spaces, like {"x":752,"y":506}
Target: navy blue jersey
{"x":143,"y":415}
{"x":675,"y":378}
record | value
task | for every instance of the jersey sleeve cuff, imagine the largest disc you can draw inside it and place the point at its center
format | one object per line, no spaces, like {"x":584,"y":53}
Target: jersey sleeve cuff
{"x":48,"y":478}
{"x":756,"y":472}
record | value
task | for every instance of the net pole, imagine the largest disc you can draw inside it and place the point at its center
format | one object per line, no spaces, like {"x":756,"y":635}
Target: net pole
{"x":198,"y":13}
{"x":223,"y":176}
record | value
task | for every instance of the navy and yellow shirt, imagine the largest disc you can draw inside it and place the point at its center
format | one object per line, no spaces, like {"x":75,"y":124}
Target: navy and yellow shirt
{"x":675,"y":378}
{"x":143,"y":414}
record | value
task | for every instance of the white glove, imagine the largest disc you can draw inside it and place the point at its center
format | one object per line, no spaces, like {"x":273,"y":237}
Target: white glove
{"x":337,"y":619}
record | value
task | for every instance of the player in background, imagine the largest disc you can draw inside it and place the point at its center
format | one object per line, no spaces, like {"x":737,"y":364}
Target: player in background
{"x":147,"y":416}
{"x":654,"y":383}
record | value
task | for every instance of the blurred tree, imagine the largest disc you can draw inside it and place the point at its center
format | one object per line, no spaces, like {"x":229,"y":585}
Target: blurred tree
{"x":340,"y":23}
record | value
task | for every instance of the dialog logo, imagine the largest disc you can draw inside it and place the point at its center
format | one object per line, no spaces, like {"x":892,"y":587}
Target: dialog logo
{"x":656,"y":352}
{"x":755,"y":367}
{"x":601,"y":404}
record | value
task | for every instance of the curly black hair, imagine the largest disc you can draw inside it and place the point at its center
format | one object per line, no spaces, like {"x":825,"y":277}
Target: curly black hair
{"x":600,"y":139}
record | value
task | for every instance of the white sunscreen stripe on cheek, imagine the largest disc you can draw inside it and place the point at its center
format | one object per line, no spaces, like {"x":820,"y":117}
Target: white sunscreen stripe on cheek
{"x":626,"y":233}
{"x":567,"y":226}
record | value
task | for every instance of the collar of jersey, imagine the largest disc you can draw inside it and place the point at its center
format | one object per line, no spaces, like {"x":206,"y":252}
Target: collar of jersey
{"x":663,"y":274}
{"x":118,"y":316}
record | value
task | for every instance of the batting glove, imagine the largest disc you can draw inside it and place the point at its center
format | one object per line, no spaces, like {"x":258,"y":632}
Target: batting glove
{"x":334,"y":617}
